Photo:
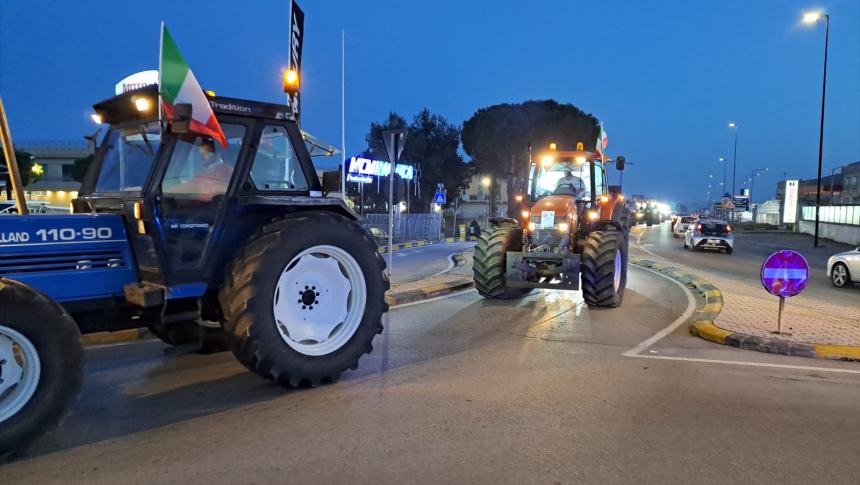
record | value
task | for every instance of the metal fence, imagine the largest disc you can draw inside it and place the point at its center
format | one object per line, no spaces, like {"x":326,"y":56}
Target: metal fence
{"x":407,"y":227}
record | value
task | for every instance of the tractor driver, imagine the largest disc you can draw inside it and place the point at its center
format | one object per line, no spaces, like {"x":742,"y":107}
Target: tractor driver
{"x":569,"y":184}
{"x":211,"y":178}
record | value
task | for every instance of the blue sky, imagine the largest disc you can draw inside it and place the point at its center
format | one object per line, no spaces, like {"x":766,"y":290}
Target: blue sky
{"x":664,"y":76}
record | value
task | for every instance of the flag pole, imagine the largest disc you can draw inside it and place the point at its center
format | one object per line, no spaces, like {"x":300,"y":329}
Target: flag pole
{"x":343,"y":114}
{"x":160,"y":50}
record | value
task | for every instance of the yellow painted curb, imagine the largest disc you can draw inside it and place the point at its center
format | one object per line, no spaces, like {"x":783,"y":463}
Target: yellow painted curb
{"x":713,"y":294}
{"x":837,"y":352}
{"x":712,"y":308}
{"x":102,"y":338}
{"x":422,"y":243}
{"x":707,"y":330}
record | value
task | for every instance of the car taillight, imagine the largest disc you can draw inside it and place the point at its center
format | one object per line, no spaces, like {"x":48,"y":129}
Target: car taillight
{"x":699,"y":227}
{"x":728,"y":228}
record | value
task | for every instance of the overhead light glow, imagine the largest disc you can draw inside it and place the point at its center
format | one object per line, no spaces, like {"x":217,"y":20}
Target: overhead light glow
{"x":547,"y":161}
{"x":97,"y":118}
{"x":811,"y":17}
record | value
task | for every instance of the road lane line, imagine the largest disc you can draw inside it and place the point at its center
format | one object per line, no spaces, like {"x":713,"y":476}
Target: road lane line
{"x":639,"y":244}
{"x":435,"y":298}
{"x":635,"y":352}
{"x":451,"y":264}
{"x":688,"y":313}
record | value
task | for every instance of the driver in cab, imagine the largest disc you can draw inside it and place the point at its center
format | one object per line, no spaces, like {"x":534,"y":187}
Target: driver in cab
{"x":569,"y":185}
{"x":210,"y":179}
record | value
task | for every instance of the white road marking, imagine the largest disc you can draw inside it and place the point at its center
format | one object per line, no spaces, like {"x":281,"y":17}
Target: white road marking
{"x":639,"y":244}
{"x":688,"y":312}
{"x":451,"y":264}
{"x":636,"y":351}
{"x":449,"y":295}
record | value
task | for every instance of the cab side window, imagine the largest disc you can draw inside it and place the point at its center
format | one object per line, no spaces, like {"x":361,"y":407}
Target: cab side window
{"x":276,"y":165}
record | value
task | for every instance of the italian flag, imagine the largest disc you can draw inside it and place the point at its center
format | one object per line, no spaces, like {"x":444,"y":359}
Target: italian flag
{"x":602,"y":142}
{"x":177,"y":85}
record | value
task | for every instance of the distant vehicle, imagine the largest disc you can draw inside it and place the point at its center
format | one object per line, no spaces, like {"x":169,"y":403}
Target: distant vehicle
{"x":844,"y":268}
{"x":36,"y":207}
{"x":680,"y":225}
{"x":709,"y":234}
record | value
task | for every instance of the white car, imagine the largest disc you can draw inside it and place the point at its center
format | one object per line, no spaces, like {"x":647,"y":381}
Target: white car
{"x":681,"y":225}
{"x":844,"y":268}
{"x":710,"y":234}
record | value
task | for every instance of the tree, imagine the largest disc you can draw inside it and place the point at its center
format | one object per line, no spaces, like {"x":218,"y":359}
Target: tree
{"x":431,"y":146}
{"x":25,"y":167}
{"x":497,"y":138}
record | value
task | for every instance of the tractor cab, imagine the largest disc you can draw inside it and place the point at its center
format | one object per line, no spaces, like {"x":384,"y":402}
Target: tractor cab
{"x":187,"y":199}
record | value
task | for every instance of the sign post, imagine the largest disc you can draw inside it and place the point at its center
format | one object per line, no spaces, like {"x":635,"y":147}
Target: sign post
{"x":784,"y":274}
{"x":394,"y":142}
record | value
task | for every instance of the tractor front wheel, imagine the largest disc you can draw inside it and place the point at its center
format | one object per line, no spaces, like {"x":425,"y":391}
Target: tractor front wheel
{"x":41,"y":365}
{"x":490,"y":260}
{"x":604,"y":269}
{"x":304,"y":299}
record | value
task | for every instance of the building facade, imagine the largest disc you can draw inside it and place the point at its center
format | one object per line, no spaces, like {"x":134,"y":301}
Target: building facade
{"x":57,"y":158}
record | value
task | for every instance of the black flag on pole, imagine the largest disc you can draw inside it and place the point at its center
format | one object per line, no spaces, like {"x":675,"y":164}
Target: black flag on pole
{"x":297,"y":28}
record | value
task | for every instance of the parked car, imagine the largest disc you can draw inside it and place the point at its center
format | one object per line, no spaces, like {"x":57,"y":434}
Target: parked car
{"x":679,"y":228}
{"x":843,"y":269}
{"x":709,"y":234}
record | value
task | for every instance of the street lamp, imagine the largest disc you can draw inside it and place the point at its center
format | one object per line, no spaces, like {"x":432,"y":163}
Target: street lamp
{"x":812,"y":18}
{"x":486,"y":181}
{"x":723,"y":184}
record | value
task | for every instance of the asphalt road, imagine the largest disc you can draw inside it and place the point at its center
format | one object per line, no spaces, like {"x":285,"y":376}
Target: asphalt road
{"x":420,"y":262}
{"x":461,"y":389}
{"x":751,"y":249}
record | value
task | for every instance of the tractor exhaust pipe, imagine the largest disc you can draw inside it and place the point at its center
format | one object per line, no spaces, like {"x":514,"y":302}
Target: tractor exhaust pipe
{"x":11,"y":163}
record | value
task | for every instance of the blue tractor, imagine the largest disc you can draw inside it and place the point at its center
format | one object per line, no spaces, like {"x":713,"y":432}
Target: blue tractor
{"x":186,"y":235}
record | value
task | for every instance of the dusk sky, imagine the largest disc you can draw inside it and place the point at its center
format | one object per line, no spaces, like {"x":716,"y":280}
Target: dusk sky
{"x":665,"y":77}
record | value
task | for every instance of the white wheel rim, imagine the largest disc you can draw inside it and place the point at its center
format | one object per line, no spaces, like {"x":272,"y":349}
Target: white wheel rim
{"x":616,"y":282}
{"x":839,"y":275}
{"x":20,"y":370}
{"x":319,"y":300}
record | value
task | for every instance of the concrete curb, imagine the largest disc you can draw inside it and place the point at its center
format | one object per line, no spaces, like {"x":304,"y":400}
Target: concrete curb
{"x":703,"y":325}
{"x":420,"y":243}
{"x":431,"y":291}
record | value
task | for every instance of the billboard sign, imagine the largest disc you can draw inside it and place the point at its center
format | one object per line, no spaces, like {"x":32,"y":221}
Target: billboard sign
{"x":362,"y":169}
{"x":789,"y":206}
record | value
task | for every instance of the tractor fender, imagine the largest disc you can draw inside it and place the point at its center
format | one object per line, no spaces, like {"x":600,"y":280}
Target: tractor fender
{"x":303,"y":203}
{"x":613,"y":215}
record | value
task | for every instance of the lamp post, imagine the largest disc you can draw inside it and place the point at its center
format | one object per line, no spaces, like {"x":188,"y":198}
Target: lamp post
{"x":723,"y":184}
{"x":486,"y":182}
{"x":734,"y":126}
{"x":811,"y":18}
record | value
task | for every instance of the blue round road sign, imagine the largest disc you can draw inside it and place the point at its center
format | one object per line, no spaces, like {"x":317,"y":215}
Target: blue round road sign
{"x":785,"y":273}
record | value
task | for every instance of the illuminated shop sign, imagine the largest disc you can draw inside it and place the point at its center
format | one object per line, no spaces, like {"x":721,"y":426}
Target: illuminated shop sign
{"x":363,"y":169}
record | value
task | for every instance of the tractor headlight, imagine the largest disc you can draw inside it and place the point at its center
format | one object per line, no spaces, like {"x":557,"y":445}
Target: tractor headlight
{"x":531,"y":226}
{"x":593,"y":215}
{"x":563,"y":227}
{"x":525,"y":214}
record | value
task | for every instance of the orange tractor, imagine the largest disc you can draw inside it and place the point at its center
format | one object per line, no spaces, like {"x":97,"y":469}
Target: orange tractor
{"x":572,"y":227}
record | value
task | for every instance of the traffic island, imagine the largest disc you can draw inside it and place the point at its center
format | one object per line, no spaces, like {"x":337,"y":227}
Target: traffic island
{"x":705,"y":326}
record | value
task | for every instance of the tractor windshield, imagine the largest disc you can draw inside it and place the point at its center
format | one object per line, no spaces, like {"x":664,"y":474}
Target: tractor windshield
{"x":128,"y":158}
{"x":562,"y":177}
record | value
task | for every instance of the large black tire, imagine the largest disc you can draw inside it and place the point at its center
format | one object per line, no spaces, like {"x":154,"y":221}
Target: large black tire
{"x":57,"y":341}
{"x":248,"y":294}
{"x":490,"y":259}
{"x":598,"y":268}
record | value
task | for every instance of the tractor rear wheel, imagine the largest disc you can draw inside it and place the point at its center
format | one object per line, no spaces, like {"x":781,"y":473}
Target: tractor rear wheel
{"x":304,"y":299}
{"x":490,"y":260}
{"x":41,"y":365}
{"x":604,"y":268}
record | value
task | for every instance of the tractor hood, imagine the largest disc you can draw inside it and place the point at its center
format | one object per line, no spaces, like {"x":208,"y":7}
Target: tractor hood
{"x":561,"y":205}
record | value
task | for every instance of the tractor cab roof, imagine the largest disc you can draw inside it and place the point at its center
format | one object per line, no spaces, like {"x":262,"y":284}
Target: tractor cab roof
{"x":141,"y":106}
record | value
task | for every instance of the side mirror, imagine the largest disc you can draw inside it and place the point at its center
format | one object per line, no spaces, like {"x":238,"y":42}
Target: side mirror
{"x":619,"y":163}
{"x":181,"y":122}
